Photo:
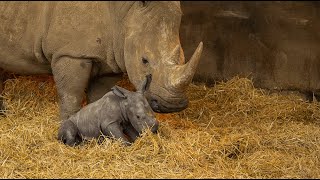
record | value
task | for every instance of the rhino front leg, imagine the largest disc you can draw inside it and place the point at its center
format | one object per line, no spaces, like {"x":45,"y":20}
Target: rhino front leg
{"x":71,"y":76}
{"x":131,"y":132}
{"x":114,"y":130}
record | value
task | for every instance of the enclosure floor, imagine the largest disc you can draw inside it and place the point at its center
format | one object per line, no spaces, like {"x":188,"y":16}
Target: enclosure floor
{"x":231,"y":130}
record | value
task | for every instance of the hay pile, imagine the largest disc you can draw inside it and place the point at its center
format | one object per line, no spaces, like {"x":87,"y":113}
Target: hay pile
{"x":231,"y":130}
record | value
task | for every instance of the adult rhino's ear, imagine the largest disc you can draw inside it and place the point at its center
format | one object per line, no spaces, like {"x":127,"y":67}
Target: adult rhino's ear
{"x":119,"y":91}
{"x":146,"y":83}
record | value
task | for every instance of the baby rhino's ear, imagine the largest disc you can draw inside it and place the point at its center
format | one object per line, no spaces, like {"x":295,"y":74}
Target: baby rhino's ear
{"x":119,"y":91}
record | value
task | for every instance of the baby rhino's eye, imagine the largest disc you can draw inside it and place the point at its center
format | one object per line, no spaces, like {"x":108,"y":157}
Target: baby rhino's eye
{"x":138,"y":116}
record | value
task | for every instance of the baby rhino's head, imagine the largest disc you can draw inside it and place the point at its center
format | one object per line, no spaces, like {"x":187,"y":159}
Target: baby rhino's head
{"x":136,"y":107}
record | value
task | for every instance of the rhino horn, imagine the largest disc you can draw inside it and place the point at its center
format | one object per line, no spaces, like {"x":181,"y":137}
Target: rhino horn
{"x":181,"y":75}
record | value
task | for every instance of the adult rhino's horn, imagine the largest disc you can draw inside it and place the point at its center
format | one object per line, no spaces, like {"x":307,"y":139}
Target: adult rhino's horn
{"x":181,"y":75}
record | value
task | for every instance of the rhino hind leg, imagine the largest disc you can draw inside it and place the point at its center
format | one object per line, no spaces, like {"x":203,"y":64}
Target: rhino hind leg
{"x":114,"y":130}
{"x":69,"y":133}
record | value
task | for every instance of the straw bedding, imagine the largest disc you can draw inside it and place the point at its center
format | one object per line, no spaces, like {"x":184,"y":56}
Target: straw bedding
{"x":231,"y":130}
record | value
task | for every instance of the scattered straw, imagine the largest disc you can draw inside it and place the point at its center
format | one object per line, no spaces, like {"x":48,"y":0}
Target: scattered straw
{"x":232,"y":130}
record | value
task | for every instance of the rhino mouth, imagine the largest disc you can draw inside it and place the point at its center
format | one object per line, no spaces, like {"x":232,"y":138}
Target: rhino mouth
{"x":160,"y":105}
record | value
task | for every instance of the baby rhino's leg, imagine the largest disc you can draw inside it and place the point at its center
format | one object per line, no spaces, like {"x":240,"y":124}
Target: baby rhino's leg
{"x":114,"y":130}
{"x":131,"y":132}
{"x":68,"y":133}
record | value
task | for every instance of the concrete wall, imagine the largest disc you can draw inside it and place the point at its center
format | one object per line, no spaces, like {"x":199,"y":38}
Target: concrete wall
{"x":276,"y":43}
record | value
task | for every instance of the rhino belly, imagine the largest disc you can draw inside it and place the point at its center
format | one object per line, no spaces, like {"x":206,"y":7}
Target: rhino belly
{"x":21,"y":64}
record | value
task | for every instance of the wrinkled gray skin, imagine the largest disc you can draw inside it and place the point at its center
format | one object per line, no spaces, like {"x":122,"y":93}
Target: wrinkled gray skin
{"x":88,"y":45}
{"x":117,"y":113}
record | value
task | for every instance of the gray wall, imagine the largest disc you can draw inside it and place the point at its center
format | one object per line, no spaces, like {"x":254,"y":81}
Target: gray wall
{"x":275,"y":43}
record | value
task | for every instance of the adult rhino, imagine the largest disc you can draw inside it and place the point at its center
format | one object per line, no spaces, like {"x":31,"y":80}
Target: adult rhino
{"x":86,"y":45}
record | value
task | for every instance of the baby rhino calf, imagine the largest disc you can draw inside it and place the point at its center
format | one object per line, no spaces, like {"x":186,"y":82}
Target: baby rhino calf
{"x":119,"y":113}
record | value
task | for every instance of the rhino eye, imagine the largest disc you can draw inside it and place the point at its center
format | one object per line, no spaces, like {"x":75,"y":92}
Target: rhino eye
{"x":138,"y":116}
{"x":145,"y":61}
